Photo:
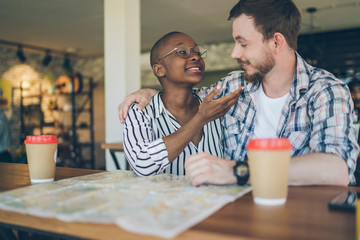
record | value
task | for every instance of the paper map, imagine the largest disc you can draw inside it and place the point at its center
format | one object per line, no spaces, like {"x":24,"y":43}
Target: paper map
{"x":161,"y":205}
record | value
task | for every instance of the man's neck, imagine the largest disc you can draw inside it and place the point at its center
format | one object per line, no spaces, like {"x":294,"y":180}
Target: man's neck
{"x":279,"y":80}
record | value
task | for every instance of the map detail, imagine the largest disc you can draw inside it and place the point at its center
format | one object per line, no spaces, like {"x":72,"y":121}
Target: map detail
{"x":161,"y":205}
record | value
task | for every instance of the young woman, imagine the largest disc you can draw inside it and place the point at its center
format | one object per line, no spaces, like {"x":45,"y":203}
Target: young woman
{"x":176,"y":123}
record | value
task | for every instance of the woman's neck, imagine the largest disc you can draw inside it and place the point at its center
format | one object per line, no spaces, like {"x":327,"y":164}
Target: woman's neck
{"x":179,"y":100}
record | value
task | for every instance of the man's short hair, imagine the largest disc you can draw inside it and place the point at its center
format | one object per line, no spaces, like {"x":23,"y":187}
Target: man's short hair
{"x":154,"y":53}
{"x":272,"y":16}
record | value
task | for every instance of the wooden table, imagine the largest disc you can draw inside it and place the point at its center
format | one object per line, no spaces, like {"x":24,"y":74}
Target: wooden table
{"x":113,"y":148}
{"x":304,"y":216}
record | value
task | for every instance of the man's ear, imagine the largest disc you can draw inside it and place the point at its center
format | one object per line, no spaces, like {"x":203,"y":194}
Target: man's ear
{"x":159,"y":70}
{"x":278,"y":42}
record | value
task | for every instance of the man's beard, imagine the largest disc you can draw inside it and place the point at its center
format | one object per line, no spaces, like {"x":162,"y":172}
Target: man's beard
{"x":263,"y":68}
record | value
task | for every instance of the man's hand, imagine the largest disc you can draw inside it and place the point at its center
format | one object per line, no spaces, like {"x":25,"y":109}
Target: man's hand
{"x":141,"y":96}
{"x":206,"y":168}
{"x":211,"y":109}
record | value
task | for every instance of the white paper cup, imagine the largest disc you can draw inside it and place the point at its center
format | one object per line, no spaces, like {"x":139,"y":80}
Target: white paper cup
{"x":269,"y":161}
{"x":41,"y":153}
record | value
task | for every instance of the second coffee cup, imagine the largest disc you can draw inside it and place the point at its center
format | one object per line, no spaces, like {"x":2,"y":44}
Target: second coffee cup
{"x":269,"y":161}
{"x":41,"y":153}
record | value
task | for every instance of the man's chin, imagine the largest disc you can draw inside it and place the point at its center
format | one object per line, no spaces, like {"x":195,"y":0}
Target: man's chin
{"x":253,"y":78}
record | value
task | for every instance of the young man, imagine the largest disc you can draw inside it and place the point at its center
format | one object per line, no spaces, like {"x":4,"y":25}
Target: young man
{"x":177,"y":122}
{"x":283,"y":96}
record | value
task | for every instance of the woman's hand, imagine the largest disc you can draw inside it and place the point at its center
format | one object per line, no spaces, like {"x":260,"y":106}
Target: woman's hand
{"x":211,"y":109}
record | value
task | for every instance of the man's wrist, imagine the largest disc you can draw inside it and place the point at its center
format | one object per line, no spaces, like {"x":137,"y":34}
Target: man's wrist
{"x":232,"y":178}
{"x":153,"y":91}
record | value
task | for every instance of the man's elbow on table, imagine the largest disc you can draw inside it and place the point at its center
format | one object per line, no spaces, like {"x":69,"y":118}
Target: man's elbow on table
{"x":318,"y":169}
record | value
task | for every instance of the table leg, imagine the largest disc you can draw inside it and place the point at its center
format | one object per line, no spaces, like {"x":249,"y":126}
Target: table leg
{"x":112,"y":152}
{"x":127,"y":166}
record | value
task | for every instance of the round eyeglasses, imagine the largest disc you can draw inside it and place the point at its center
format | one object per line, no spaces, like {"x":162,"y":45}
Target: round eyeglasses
{"x":184,"y":51}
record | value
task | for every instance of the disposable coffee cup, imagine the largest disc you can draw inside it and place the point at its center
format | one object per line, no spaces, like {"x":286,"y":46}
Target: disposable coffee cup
{"x":269,"y":160}
{"x":41,"y":153}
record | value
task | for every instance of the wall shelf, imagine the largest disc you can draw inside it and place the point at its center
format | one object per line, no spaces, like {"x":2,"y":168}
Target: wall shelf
{"x":76,"y":140}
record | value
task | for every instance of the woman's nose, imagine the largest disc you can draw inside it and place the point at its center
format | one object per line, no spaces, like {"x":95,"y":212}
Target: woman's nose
{"x":193,"y":55}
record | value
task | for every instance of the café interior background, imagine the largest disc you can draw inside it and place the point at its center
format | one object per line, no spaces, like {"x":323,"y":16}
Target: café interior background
{"x":330,"y":38}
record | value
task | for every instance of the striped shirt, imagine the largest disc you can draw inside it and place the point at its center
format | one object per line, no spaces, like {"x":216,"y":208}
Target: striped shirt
{"x":318,"y":115}
{"x":145,"y":149}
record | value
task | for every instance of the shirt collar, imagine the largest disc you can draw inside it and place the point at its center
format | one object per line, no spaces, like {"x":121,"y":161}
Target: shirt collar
{"x":302,"y":77}
{"x":158,"y":105}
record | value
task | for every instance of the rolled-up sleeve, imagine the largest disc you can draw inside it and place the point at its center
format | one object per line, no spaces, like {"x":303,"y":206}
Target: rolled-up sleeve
{"x":333,"y":125}
{"x":146,"y":155}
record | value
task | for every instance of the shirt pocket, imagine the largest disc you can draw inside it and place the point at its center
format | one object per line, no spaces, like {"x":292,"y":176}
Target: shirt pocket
{"x":236,"y":137}
{"x":232,"y":125}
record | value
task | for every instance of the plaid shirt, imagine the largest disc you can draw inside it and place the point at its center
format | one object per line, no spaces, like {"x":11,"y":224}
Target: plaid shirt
{"x":318,"y":115}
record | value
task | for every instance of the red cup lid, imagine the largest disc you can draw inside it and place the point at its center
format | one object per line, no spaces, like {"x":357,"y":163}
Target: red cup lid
{"x":41,"y":139}
{"x":269,"y":144}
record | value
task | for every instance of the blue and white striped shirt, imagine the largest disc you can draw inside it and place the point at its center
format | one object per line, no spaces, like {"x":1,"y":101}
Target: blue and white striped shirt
{"x":145,"y":149}
{"x":318,"y":115}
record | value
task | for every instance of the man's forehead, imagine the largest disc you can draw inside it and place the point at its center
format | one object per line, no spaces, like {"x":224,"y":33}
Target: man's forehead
{"x":244,"y":19}
{"x":243,"y":27}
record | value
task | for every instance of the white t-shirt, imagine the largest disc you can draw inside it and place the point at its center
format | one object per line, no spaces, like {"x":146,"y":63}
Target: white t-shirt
{"x":268,"y":114}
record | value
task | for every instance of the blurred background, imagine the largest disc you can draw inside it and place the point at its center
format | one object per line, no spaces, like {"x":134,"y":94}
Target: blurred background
{"x":52,"y":71}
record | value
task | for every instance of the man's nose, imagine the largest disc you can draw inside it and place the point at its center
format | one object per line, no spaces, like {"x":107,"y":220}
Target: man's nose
{"x":236,"y":52}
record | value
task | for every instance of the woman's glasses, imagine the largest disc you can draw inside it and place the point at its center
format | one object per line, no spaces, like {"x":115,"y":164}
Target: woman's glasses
{"x":184,"y":51}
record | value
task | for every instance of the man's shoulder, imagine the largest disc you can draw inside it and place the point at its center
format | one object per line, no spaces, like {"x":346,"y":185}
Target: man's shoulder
{"x":319,"y":74}
{"x":314,"y":78}
{"x":324,"y":85}
{"x":321,"y":78}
